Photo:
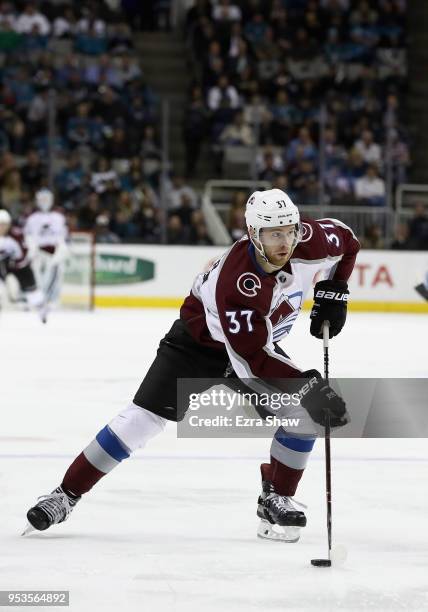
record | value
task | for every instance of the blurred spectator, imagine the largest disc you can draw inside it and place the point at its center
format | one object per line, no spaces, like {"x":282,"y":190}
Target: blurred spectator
{"x":370,"y":188}
{"x":70,"y":179}
{"x":80,"y":128}
{"x":177,"y":189}
{"x":226,"y":11}
{"x":90,"y":22}
{"x":199,"y":233}
{"x":301,"y":147}
{"x":146,"y":218}
{"x":7,"y":16}
{"x":103,"y":234}
{"x":151,"y":154}
{"x":120,"y":41}
{"x":33,"y":171}
{"x":119,"y":145}
{"x":280,"y":182}
{"x":30,"y":21}
{"x":402,"y":240}
{"x":194,"y":129}
{"x":236,"y":217}
{"x":64,"y":26}
{"x":177,"y":234}
{"x":128,"y":69}
{"x":284,"y":117}
{"x":238,"y":133}
{"x":373,"y":237}
{"x":255,"y":30}
{"x":88,"y":213}
{"x":223,"y":96}
{"x":37,"y":113}
{"x":122,"y":222}
{"x":269,"y":165}
{"x":102,"y":72}
{"x":418,"y":228}
{"x":370,"y":151}
{"x":185,"y":210}
{"x":400,"y":158}
{"x":108,"y":105}
{"x":102,"y":175}
{"x":303,"y":181}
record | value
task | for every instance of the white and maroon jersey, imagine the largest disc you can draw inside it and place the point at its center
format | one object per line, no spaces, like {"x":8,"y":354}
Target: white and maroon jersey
{"x":13,"y":250}
{"x":46,"y":229}
{"x":238,"y":306}
{"x":10,"y":249}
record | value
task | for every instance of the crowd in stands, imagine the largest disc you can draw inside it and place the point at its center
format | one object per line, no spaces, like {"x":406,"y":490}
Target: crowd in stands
{"x":410,"y":234}
{"x":72,"y":67}
{"x":310,"y":87}
{"x":266,"y":69}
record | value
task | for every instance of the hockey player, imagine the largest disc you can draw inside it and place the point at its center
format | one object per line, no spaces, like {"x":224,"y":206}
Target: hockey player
{"x":233,"y":318}
{"x":14,"y":261}
{"x":45,"y":233}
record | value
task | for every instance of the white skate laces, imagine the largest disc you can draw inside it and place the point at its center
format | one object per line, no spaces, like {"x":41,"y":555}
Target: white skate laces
{"x":56,"y":505}
{"x":282,"y":502}
{"x":50,"y":510}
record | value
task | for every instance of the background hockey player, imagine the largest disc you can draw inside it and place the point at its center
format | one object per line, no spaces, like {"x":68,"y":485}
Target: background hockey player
{"x":14,"y":261}
{"x":233,"y":320}
{"x":46,"y":233}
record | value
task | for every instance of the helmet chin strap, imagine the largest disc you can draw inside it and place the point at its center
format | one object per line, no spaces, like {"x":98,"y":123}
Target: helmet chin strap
{"x":260,"y":250}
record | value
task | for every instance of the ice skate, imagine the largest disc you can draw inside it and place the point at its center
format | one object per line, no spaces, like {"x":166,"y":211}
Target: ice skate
{"x":280,"y":519}
{"x":50,"y":510}
{"x":43,"y":311}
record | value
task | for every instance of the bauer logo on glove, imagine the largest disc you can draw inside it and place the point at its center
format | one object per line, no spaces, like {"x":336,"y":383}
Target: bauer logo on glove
{"x":330,"y":304}
{"x":319,"y":399}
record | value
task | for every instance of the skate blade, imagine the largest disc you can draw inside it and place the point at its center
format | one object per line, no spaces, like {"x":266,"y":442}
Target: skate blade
{"x":29,"y":529}
{"x":267,"y":531}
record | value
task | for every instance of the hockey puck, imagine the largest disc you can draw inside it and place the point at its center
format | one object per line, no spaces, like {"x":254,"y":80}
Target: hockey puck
{"x":321,"y":562}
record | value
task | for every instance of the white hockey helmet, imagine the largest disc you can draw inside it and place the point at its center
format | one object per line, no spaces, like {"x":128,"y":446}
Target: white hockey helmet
{"x":44,"y":200}
{"x":270,"y":208}
{"x":5,"y":218}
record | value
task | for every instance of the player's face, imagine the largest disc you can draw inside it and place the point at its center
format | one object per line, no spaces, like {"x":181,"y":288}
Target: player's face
{"x":4,"y":228}
{"x":279,"y":243}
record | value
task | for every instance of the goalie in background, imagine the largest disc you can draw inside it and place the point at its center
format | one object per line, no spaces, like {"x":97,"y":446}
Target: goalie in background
{"x":45,"y":234}
{"x":15,"y":271}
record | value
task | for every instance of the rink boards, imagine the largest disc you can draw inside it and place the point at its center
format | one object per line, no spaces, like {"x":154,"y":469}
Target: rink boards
{"x":160,"y":277}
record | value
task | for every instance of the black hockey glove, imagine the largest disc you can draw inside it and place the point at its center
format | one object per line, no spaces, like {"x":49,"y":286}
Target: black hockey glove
{"x":318,"y":398}
{"x":330,"y":304}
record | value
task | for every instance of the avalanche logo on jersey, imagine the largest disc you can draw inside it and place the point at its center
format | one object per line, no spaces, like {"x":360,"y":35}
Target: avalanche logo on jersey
{"x":285,"y":313}
{"x":46,"y":230}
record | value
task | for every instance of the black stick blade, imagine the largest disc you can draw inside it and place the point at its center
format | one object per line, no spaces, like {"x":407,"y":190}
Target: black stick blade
{"x":321,"y":562}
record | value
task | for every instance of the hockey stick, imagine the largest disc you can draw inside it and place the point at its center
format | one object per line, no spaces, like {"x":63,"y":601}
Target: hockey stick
{"x":326,"y":562}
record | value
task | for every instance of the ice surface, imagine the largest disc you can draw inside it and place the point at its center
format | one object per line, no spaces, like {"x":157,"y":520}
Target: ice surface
{"x":174,"y":528}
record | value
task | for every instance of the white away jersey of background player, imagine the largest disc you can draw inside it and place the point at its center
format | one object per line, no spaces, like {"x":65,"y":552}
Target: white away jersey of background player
{"x":47,"y":229}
